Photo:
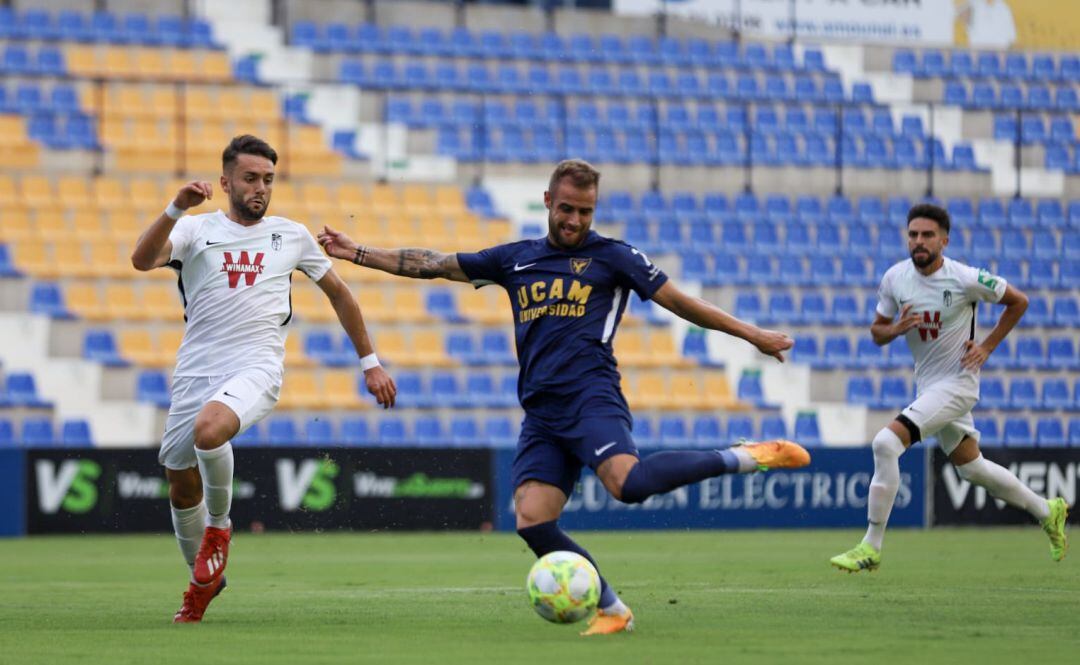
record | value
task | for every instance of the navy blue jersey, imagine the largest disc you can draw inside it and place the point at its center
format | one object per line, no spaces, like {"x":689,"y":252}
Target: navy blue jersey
{"x":567,"y":305}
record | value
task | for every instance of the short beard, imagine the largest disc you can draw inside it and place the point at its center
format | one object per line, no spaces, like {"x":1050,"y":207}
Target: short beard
{"x":922,"y":263}
{"x":245,"y":213}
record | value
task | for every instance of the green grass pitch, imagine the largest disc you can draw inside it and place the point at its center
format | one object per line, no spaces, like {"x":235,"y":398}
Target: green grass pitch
{"x":951,"y":596}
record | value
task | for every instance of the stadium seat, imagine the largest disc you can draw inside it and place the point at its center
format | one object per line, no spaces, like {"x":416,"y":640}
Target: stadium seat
{"x":989,"y":436}
{"x":739,"y":428}
{"x":1049,"y":432}
{"x":21,"y":390}
{"x":281,"y":431}
{"x":152,"y":386}
{"x":75,"y":433}
{"x":1017,"y":433}
{"x":252,"y":436}
{"x":1022,"y":394}
{"x":7,"y":433}
{"x":37,"y":432}
{"x":807,"y":431}
{"x":1074,"y":432}
{"x":992,"y":393}
{"x":319,"y":432}
{"x":672,"y":432}
{"x":773,"y":427}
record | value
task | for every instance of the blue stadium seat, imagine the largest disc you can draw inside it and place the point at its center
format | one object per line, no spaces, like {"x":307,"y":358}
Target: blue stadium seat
{"x":805,"y":350}
{"x":392,"y":432}
{"x":252,"y":436}
{"x":1049,"y":432}
{"x":904,"y":62}
{"x":1066,"y":312}
{"x":672,"y":432}
{"x":1061,"y":354}
{"x":643,"y":432}
{"x":706,"y":432}
{"x":773,"y":427}
{"x":46,"y":298}
{"x":75,"y":433}
{"x":1017,"y":433}
{"x":894,"y":394}
{"x":739,"y":428}
{"x":748,"y":306}
{"x":356,"y":432}
{"x":495,"y":346}
{"x":750,"y":390}
{"x":7,"y":433}
{"x":1074,"y":432}
{"x":22,"y":391}
{"x":319,"y":432}
{"x":837,"y":352}
{"x":1055,"y":394}
{"x":845,"y":311}
{"x":499,"y":432}
{"x":447,"y":391}
{"x":989,"y":435}
{"x":869,"y":355}
{"x":37,"y":432}
{"x":411,"y":391}
{"x":152,"y":386}
{"x":1029,"y":354}
{"x":807,"y":431}
{"x":992,"y":393}
{"x":1022,"y":394}
{"x":812,"y":308}
{"x":860,"y":390}
{"x":281,"y":431}
{"x":464,"y":431}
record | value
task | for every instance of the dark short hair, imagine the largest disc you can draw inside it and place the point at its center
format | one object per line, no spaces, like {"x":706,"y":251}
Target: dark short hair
{"x":246,"y":144}
{"x":931,"y":211}
{"x":581,"y":173}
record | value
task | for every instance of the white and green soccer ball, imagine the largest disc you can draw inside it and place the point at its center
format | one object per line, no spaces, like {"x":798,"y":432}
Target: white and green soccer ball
{"x":563,"y":587}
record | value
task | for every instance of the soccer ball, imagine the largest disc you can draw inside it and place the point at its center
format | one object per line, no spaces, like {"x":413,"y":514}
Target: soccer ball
{"x":563,"y":587}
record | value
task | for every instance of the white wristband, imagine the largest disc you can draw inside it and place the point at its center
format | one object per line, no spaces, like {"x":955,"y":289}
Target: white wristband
{"x":370,"y":361}
{"x":172,"y":212}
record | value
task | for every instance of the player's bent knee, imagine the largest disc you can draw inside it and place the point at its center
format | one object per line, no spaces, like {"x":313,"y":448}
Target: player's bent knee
{"x":885,"y":443}
{"x":214,"y":427}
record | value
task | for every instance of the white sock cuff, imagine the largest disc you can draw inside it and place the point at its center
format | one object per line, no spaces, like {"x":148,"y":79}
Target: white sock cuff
{"x":972,"y":469}
{"x":214,"y":453}
{"x":185,"y":514}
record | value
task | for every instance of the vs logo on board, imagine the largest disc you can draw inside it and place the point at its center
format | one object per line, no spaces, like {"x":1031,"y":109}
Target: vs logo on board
{"x":71,"y":486}
{"x":308,"y":485}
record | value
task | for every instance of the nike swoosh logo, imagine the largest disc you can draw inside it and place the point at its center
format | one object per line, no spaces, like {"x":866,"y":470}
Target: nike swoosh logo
{"x":522,"y":267}
{"x":208,"y":243}
{"x":226,"y":393}
{"x":600,"y":451}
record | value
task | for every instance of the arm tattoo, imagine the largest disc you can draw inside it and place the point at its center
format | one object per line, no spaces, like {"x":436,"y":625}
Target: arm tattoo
{"x":361,"y":254}
{"x":422,"y":263}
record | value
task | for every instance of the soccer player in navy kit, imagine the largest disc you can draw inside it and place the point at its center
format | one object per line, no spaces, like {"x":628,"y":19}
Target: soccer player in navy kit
{"x":568,"y":292}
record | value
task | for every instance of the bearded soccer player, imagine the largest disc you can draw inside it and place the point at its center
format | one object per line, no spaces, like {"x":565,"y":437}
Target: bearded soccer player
{"x":568,"y":292}
{"x":235,"y":271}
{"x":936,"y":298}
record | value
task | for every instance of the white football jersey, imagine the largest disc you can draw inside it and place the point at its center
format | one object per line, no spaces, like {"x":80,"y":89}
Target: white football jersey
{"x":946,"y":300}
{"x":236,"y":283}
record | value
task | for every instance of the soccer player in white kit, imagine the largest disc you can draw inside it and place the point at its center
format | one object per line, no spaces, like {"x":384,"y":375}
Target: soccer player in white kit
{"x":235,"y":271}
{"x":936,"y":299}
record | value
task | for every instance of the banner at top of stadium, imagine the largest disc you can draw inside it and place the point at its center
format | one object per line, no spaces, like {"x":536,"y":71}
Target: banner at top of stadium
{"x":988,"y":24}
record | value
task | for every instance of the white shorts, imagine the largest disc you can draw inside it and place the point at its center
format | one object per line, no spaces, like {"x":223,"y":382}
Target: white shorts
{"x":251,"y":394}
{"x":943,"y":409}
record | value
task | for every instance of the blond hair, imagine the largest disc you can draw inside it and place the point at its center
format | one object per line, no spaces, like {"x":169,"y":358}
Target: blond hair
{"x":581,"y":173}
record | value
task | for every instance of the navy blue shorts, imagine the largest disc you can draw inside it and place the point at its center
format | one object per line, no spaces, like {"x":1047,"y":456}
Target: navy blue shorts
{"x":556,"y":455}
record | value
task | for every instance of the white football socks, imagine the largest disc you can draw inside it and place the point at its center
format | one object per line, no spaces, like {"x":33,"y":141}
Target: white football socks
{"x":747,"y":463}
{"x":216,"y":467}
{"x":883,"y":486}
{"x":615,"y":608}
{"x":1002,"y":484}
{"x":188,"y":525}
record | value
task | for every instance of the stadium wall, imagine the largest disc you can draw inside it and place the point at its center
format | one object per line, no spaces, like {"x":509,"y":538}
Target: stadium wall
{"x":290,"y":489}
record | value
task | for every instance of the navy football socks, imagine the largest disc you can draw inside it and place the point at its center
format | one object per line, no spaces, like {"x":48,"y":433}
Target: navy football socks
{"x":548,"y":537}
{"x":663,"y":472}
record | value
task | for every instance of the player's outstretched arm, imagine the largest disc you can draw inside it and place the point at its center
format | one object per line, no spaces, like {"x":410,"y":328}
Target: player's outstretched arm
{"x":885,"y":330}
{"x":377,"y":380}
{"x":1016,"y":303}
{"x":410,"y":262}
{"x":153,"y":248}
{"x":707,"y":315}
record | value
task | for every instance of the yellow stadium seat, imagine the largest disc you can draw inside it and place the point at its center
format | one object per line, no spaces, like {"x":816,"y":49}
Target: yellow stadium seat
{"x":34,"y":257}
{"x":401,"y":231}
{"x":409,"y":305}
{"x":109,"y":258}
{"x":116,"y":133}
{"x":232,"y":103}
{"x":109,"y":193}
{"x":121,"y":302}
{"x":434,"y":232}
{"x":86,"y":223}
{"x":127,"y":224}
{"x":488,"y":306}
{"x":353,"y":199}
{"x":81,"y":60}
{"x":16,"y":225}
{"x":162,"y":102}
{"x":310,"y":304}
{"x":662,"y":348}
{"x":69,"y":260}
{"x":124,"y":100}
{"x":200,"y":104}
{"x":215,"y":66}
{"x":37,"y":192}
{"x":653,"y":391}
{"x":162,"y":302}
{"x":498,"y":231}
{"x":262,"y":105}
{"x":687,"y":391}
{"x":374,"y":305}
{"x":319,"y":199}
{"x":294,"y":352}
{"x":632,"y":350}
{"x":9,"y":193}
{"x":718,"y":395}
{"x":50,"y":225}
{"x":12,"y":131}
{"x":301,"y":390}
{"x":150,"y":63}
{"x":138,"y":346}
{"x":429,"y":348}
{"x":341,"y":389}
{"x":184,"y":66}
{"x":74,"y":192}
{"x":147,"y":194}
{"x":449,"y":199}
{"x":385,"y":200}
{"x":84,"y":300}
{"x":417,"y":200}
{"x":119,"y":61}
